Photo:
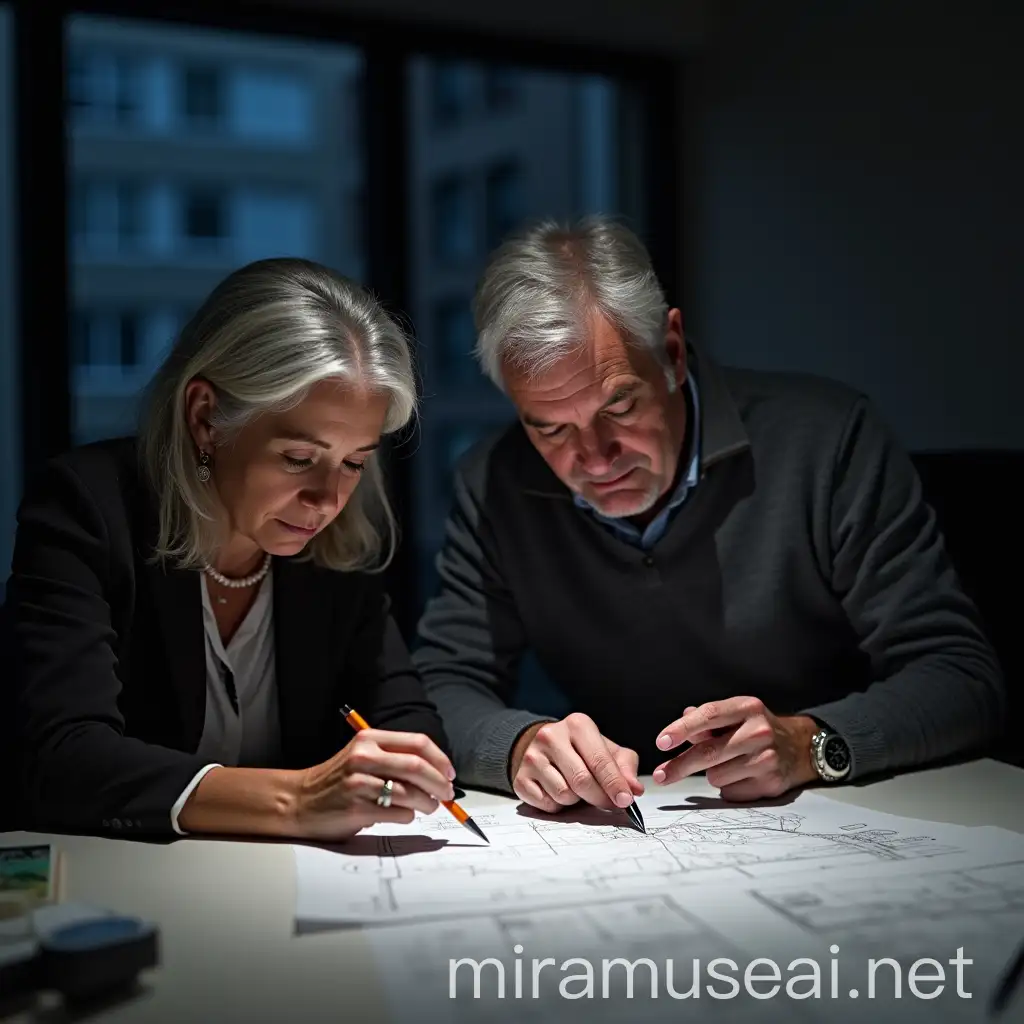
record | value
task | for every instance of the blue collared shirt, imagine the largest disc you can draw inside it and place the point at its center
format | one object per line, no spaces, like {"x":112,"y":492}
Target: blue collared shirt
{"x":655,"y":529}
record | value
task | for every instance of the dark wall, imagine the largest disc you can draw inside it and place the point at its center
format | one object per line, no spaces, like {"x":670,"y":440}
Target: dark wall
{"x":853,"y":205}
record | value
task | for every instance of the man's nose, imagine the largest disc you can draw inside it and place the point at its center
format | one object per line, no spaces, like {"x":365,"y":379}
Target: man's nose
{"x":596,"y":450}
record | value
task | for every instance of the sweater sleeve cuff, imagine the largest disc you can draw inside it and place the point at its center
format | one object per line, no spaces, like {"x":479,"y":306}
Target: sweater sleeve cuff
{"x":185,"y":794}
{"x":494,"y":751}
{"x":869,"y":751}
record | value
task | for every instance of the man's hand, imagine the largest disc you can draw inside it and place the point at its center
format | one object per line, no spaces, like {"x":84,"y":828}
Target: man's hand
{"x":557,"y":764}
{"x":747,"y":752}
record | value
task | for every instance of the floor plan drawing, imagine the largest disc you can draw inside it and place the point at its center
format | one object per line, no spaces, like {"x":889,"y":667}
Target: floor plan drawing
{"x":434,"y":868}
{"x":645,"y":960}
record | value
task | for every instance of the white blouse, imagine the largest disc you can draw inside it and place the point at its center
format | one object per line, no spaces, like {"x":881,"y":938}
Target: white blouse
{"x":240,"y":730}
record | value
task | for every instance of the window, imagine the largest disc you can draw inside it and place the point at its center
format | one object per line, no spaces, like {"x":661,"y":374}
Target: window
{"x":108,"y":216}
{"x":103,"y":86}
{"x":503,"y":192}
{"x":453,"y":86}
{"x":107,"y":339}
{"x":453,"y":219}
{"x":205,"y":215}
{"x":203,"y":96}
{"x":272,"y":221}
{"x":278,"y":107}
{"x":155,"y":226}
{"x":559,"y":156}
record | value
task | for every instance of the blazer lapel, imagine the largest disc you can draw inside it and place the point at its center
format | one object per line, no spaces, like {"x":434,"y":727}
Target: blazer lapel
{"x":179,"y":609}
{"x":303,"y":612}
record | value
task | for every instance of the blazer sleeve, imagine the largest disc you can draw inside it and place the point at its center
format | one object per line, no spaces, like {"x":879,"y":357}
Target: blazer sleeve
{"x":380,"y":667}
{"x":78,"y":770}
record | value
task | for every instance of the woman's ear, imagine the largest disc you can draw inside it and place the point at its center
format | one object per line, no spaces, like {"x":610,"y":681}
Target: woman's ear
{"x":200,"y":402}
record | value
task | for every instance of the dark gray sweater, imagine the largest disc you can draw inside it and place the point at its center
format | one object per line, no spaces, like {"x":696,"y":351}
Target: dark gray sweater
{"x":804,"y":569}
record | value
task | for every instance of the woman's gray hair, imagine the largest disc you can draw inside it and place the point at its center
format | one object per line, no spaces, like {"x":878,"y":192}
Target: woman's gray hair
{"x":534,"y":299}
{"x":264,"y":336}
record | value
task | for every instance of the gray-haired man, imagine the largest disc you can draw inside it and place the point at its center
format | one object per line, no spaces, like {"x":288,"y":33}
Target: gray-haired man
{"x":740,"y":561}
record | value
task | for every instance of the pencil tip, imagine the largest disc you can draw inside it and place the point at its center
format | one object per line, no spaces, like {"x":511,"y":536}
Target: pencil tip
{"x":476,"y":830}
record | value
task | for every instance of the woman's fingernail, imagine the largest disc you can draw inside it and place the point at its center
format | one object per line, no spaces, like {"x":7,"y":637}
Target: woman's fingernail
{"x":664,"y":741}
{"x":451,"y":773}
{"x":659,"y":775}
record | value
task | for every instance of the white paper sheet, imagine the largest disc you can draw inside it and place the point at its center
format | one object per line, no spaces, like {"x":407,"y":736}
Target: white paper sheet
{"x":837,"y":922}
{"x":434,"y":868}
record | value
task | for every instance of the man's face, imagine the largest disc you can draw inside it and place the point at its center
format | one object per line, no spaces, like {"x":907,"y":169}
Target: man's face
{"x":606,"y":420}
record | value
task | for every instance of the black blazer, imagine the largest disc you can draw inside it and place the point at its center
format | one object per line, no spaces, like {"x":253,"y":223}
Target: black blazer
{"x":106,"y":669}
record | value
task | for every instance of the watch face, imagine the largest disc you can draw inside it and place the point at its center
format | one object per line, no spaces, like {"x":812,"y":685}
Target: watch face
{"x":836,"y":754}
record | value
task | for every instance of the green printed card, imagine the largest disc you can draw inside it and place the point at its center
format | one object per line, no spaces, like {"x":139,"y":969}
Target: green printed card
{"x":28,"y":869}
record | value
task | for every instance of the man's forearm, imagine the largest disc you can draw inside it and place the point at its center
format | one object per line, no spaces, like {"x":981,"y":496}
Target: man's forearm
{"x":937,"y":707}
{"x":482,"y":730}
{"x":242,"y":801}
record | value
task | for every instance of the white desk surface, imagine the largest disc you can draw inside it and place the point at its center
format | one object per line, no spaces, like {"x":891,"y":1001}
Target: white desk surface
{"x":225,"y":909}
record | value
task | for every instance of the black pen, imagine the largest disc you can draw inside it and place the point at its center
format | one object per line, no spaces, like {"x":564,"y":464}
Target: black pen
{"x":636,"y":817}
{"x":1008,"y":983}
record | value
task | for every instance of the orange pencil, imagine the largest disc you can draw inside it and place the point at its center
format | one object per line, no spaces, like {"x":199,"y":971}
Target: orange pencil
{"x":359,"y":723}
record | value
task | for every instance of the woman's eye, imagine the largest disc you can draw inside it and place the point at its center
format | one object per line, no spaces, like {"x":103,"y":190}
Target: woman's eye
{"x":294,"y":463}
{"x":356,"y":467}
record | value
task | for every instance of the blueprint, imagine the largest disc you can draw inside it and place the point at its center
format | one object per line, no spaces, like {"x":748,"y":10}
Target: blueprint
{"x":824,"y":929}
{"x":548,"y":967}
{"x":434,"y":868}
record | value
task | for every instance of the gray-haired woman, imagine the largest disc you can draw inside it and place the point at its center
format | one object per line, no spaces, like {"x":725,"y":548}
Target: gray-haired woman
{"x":189,"y":609}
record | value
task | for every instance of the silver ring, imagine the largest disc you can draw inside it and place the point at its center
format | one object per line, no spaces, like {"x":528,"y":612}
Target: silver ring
{"x":384,"y":800}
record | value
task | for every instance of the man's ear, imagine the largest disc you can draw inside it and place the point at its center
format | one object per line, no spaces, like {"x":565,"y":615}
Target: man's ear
{"x":200,"y":403}
{"x":675,"y":350}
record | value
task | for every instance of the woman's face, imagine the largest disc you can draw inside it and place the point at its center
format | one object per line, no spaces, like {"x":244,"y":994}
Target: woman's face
{"x":285,"y":476}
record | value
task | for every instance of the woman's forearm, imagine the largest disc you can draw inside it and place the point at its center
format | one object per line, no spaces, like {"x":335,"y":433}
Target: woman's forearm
{"x":242,"y":801}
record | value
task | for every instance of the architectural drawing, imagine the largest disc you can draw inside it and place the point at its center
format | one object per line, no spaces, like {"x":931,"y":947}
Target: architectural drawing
{"x":652,"y":940}
{"x":435,"y":868}
{"x":886,"y":912}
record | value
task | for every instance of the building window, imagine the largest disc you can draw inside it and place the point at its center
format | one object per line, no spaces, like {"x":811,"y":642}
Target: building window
{"x":106,"y":338}
{"x":103,"y":87}
{"x":454,"y":338}
{"x":501,"y":88}
{"x":108,"y":216}
{"x":452,"y":217}
{"x":203,"y":96}
{"x":504,"y":201}
{"x":205,"y":216}
{"x":452,"y":88}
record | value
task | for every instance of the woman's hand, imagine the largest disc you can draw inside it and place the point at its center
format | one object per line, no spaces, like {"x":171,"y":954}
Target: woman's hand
{"x":338,"y":798}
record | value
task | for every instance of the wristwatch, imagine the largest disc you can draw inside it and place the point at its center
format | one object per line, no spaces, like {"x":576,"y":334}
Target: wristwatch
{"x":830,"y":756}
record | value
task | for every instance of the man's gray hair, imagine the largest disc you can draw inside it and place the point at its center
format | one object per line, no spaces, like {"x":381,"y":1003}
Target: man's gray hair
{"x":262,"y":339}
{"x":540,"y":287}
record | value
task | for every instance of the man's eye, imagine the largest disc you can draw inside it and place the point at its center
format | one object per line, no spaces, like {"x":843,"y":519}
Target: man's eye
{"x":628,"y":408}
{"x":550,"y":431}
{"x":294,"y":463}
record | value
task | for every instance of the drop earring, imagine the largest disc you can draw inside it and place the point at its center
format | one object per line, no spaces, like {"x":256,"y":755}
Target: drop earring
{"x":203,"y":469}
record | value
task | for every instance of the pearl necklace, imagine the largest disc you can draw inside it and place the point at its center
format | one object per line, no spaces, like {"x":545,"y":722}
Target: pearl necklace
{"x":245,"y":581}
